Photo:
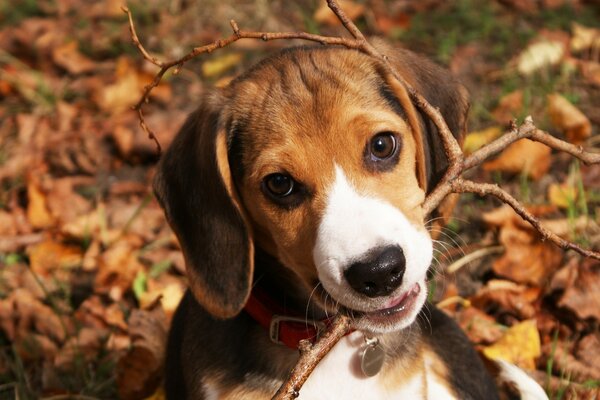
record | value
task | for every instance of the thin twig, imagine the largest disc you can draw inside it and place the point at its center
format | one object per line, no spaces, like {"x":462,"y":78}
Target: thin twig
{"x":310,"y":356}
{"x":465,"y":186}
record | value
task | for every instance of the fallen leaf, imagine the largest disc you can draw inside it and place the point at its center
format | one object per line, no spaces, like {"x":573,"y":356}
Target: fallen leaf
{"x":584,"y":38}
{"x":49,"y":256}
{"x":127,"y":89}
{"x":86,"y":345}
{"x":7,"y":224}
{"x":526,"y":259}
{"x":64,"y":203}
{"x":324,"y":15}
{"x":68,"y":57}
{"x":218,"y":65}
{"x":540,"y":55}
{"x":588,"y":352}
{"x":37,"y":210}
{"x":118,"y":267}
{"x":139,"y":371}
{"x":562,"y":195}
{"x":568,"y":119}
{"x":480,"y":327}
{"x":590,"y":71}
{"x":389,"y":23}
{"x":564,"y":363}
{"x":507,"y":297}
{"x":35,"y":347}
{"x":519,"y":345}
{"x":476,"y":140}
{"x":170,"y":295}
{"x":582,"y":289}
{"x":22,"y":313}
{"x":524,"y":156}
{"x":509,"y":107}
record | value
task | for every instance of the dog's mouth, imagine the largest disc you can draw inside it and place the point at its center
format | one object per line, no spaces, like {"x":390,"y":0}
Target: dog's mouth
{"x":395,"y":311}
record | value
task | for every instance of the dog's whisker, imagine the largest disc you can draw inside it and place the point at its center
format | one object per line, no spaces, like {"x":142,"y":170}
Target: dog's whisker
{"x":452,"y":237}
{"x":308,"y":305}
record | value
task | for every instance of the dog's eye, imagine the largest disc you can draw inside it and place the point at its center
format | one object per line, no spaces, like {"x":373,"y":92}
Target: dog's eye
{"x":279,"y":185}
{"x":383,"y":146}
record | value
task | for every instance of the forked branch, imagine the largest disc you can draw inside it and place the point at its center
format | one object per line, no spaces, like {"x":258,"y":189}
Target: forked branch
{"x":452,"y":182}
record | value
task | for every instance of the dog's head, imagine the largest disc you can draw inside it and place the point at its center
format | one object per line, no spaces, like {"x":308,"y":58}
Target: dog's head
{"x":319,"y":158}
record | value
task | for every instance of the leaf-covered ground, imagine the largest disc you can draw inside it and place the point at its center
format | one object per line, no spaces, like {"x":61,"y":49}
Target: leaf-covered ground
{"x":90,"y":273}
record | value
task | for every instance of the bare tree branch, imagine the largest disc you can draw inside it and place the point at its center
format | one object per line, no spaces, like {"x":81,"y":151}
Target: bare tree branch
{"x":310,"y":356}
{"x":465,"y":186}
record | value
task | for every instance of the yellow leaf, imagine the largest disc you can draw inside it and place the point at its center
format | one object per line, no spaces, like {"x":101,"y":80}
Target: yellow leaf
{"x":158,"y":395}
{"x":519,"y":345}
{"x":217,"y":66}
{"x":476,"y":140}
{"x":584,"y":38}
{"x":539,"y":55}
{"x":562,"y":195}
{"x":566,"y":117}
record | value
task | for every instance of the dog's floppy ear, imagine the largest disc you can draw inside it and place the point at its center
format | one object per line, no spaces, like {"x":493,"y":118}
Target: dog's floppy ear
{"x":194,"y":186}
{"x":442,"y":91}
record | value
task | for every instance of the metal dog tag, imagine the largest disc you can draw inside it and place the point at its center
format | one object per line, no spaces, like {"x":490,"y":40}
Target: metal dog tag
{"x":371,"y":357}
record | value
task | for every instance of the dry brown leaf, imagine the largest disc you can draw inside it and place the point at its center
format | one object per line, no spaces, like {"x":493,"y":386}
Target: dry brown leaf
{"x":526,"y":259}
{"x":64,"y":203}
{"x":476,"y":140}
{"x":519,"y":345}
{"x":581,"y":284}
{"x":139,"y":371}
{"x":86,"y":345}
{"x":118,"y":267}
{"x":126,"y":91}
{"x":324,"y":15}
{"x":37,"y":210}
{"x":22,"y":313}
{"x":565,"y":363}
{"x":68,"y":57}
{"x":507,"y":297}
{"x":524,"y":156}
{"x":7,"y":224}
{"x":49,"y":256}
{"x":480,"y":327}
{"x":568,"y":119}
{"x":590,"y":71}
{"x":588,"y":352}
{"x":34,"y":347}
{"x":509,"y":107}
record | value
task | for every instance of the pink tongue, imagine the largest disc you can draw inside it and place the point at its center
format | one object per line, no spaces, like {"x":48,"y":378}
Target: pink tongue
{"x":395,"y":302}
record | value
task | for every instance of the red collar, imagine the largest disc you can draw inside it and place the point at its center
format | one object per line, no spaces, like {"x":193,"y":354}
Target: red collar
{"x":282,"y":328}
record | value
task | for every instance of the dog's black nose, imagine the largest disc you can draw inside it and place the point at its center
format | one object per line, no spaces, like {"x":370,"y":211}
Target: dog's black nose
{"x":378,"y":275}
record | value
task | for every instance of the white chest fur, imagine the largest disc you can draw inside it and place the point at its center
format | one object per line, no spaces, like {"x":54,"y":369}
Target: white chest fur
{"x":338,"y":376}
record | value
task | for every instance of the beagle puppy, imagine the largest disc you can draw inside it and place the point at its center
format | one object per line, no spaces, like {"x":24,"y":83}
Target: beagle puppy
{"x":296,"y":194}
